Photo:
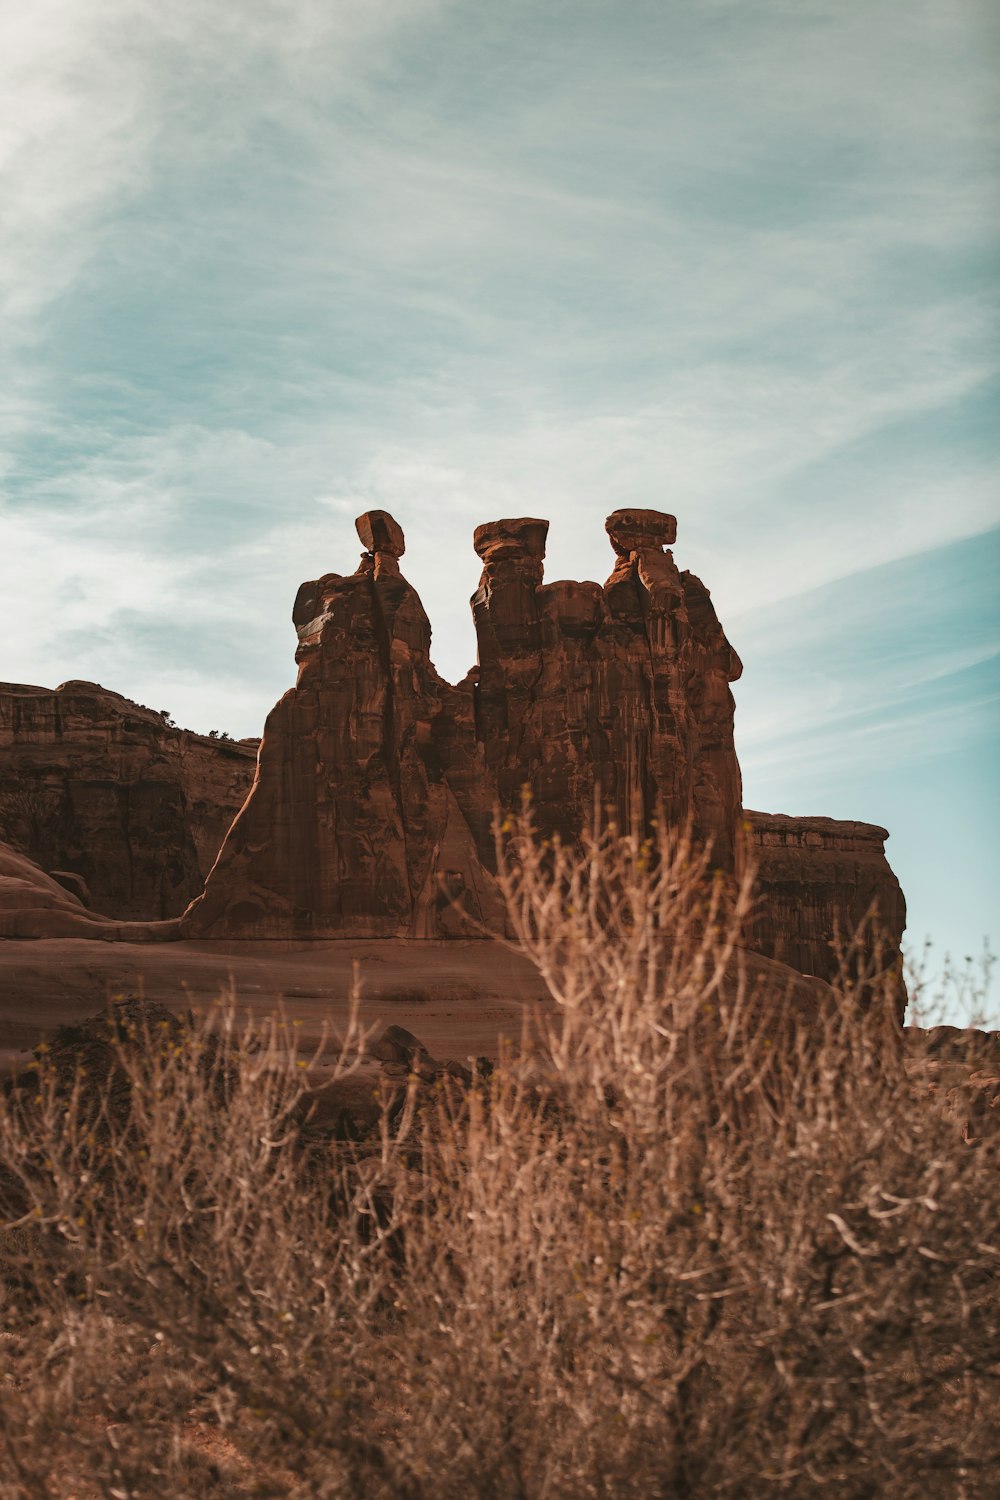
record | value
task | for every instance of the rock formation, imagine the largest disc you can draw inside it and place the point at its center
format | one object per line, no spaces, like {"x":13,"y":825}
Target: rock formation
{"x":369,"y":792}
{"x":621,"y":692}
{"x":820,"y":881}
{"x":34,"y":905}
{"x":122,"y":808}
{"x":370,"y":811}
{"x":958,"y":1069}
{"x":370,"y":814}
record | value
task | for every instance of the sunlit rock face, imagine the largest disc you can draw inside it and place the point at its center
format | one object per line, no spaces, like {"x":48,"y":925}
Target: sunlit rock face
{"x":370,"y":814}
{"x":821,"y":880}
{"x":129,"y":810}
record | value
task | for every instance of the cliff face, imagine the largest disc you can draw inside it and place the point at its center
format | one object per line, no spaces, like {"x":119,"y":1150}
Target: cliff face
{"x":377,"y":780}
{"x":96,"y":787}
{"x":819,"y":879}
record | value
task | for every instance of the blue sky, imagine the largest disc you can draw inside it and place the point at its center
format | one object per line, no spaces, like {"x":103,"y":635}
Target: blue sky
{"x":263,"y":266}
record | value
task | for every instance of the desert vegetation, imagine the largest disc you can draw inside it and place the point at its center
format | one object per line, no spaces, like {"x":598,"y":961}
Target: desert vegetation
{"x":700,"y":1236}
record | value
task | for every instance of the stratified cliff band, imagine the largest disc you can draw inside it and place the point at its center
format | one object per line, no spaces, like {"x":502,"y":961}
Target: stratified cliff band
{"x":819,"y":880}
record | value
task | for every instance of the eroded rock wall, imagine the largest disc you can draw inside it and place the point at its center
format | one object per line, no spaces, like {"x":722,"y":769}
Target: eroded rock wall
{"x":33,"y":905}
{"x":98,"y":788}
{"x":820,"y":879}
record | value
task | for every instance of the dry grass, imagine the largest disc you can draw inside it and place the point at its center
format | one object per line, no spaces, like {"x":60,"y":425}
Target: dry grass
{"x":707,"y":1241}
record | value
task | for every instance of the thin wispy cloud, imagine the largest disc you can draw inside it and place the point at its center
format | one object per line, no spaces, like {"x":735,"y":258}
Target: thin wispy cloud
{"x":913,"y":641}
{"x":878,"y":697}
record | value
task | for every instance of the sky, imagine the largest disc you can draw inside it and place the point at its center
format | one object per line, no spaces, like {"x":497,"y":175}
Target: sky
{"x":265,"y":266}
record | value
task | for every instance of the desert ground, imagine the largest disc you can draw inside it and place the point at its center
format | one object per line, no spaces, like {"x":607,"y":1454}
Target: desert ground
{"x":459,"y":997}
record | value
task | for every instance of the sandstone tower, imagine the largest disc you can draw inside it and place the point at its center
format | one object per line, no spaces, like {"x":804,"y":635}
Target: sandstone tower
{"x":376,"y":782}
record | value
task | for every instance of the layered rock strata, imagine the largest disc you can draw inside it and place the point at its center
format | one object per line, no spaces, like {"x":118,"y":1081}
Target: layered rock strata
{"x":124,"y":809}
{"x":821,"y":882}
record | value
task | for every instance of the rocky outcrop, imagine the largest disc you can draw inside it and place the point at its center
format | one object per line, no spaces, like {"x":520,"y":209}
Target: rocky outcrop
{"x":106,"y":793}
{"x":34,"y":905}
{"x":369,"y":792}
{"x":371,"y":804}
{"x":958,"y":1070}
{"x":620,"y":693}
{"x":821,"y":881}
{"x":370,"y":814}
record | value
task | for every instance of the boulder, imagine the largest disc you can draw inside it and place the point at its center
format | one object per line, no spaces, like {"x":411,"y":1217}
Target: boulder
{"x":380,"y":533}
{"x":633,"y":531}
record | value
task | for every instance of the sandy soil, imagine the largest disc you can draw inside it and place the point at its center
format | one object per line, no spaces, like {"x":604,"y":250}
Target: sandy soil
{"x":459,"y":998}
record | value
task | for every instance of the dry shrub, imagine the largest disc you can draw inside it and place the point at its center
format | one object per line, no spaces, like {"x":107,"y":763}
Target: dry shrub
{"x":701,"y":1236}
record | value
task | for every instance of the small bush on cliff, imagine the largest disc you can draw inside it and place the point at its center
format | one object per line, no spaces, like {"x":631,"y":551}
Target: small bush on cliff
{"x":700,"y":1237}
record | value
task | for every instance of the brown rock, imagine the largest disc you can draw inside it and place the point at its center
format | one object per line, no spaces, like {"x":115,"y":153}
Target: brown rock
{"x":621,"y":693}
{"x":522,"y":538}
{"x":956,"y":1044}
{"x":101,"y":789}
{"x":504,"y":607}
{"x":402,"y":1055}
{"x":75,"y":884}
{"x":959,"y":1071}
{"x":347,"y":1109}
{"x":370,"y":813}
{"x":822,"y":880}
{"x":34,"y":905}
{"x":380,"y":533}
{"x":640,"y":530}
{"x":364,"y":816}
{"x":396,"y":1045}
